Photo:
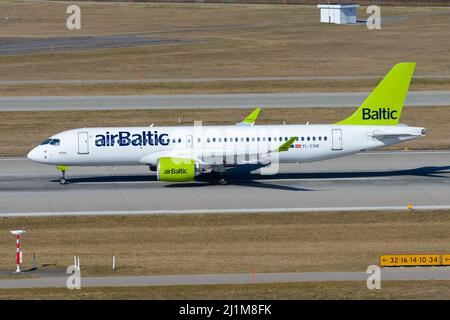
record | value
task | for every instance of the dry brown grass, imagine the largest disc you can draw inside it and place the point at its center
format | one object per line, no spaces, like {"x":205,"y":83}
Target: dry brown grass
{"x":260,"y":86}
{"x":33,"y":127}
{"x":228,"y":243}
{"x":324,"y":290}
{"x":235,"y":40}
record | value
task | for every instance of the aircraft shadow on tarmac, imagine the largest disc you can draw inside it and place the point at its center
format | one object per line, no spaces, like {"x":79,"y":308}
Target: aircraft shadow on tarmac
{"x":241,"y":177}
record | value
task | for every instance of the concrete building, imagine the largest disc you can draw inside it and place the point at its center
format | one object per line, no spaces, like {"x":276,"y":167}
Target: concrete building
{"x":338,"y":13}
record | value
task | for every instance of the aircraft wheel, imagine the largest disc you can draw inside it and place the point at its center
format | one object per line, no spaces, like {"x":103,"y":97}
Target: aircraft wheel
{"x":222,"y":181}
{"x":62,"y":181}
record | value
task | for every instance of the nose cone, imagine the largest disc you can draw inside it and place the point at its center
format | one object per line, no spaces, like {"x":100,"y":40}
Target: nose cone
{"x":34,"y":155}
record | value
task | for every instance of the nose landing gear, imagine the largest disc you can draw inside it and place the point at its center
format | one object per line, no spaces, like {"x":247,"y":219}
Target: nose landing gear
{"x":63,"y":169}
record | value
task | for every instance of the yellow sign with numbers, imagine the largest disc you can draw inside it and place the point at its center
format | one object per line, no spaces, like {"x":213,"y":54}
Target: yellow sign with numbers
{"x":400,"y":260}
{"x":446,"y":259}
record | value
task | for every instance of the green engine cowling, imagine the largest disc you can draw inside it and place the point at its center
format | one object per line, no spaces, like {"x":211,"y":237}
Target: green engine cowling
{"x":176,"y":169}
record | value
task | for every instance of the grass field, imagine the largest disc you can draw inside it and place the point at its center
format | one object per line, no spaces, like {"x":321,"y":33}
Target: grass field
{"x":232,"y":41}
{"x":226,"y":243}
{"x":390,"y":290}
{"x":33,"y":127}
{"x":222,"y":86}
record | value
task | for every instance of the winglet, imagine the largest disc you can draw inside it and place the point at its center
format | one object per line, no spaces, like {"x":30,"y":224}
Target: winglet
{"x":251,"y":118}
{"x":285,"y":146}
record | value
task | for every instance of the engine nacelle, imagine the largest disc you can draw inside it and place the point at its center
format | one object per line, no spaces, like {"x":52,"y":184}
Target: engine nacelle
{"x":176,"y":169}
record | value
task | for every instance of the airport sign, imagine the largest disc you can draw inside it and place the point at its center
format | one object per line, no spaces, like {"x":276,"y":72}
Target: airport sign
{"x":400,"y":260}
{"x":446,"y":259}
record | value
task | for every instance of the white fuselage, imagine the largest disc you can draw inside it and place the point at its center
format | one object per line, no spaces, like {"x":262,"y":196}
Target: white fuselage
{"x":215,"y":145}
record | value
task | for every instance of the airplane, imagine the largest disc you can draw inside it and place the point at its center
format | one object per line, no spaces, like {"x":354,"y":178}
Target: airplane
{"x":182,"y":153}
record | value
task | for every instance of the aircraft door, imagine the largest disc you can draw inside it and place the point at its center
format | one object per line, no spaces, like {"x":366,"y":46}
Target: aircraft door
{"x":83,"y":143}
{"x":336,"y":139}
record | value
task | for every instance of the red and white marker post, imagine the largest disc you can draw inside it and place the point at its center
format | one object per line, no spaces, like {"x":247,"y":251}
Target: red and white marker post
{"x":18,"y":233}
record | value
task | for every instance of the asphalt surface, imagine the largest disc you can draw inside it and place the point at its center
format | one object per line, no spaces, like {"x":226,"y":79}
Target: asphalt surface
{"x":23,"y":45}
{"x":401,"y":274}
{"x":196,"y":101}
{"x":375,"y":181}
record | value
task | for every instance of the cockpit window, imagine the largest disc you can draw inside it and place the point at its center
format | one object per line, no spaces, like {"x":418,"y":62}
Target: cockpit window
{"x":46,"y":141}
{"x":55,"y":142}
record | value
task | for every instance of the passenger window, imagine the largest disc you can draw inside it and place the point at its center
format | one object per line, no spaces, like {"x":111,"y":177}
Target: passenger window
{"x":224,"y":139}
{"x":308,"y":138}
{"x":179,"y":140}
{"x":320,"y":138}
{"x":236,"y":139}
{"x":269,"y":139}
{"x":314,"y":138}
{"x":209,"y":140}
{"x":325,"y":138}
{"x":248,"y":139}
{"x":303,"y":138}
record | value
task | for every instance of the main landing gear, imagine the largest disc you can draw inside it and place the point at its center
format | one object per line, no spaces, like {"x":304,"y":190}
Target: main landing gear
{"x":63,"y":169}
{"x":220,"y":177}
{"x":222,"y":180}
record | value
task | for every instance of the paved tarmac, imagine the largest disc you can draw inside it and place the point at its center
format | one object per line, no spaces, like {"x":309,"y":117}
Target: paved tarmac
{"x":23,"y":45}
{"x":373,"y":180}
{"x":400,"y":274}
{"x":196,"y":101}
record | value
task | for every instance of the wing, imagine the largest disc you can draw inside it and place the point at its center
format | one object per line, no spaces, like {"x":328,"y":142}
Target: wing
{"x":208,"y":157}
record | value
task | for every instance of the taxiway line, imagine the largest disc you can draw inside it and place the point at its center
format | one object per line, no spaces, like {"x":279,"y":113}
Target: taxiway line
{"x":403,"y":274}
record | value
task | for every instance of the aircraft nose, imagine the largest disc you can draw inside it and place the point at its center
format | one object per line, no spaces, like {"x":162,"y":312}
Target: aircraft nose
{"x":33,"y":155}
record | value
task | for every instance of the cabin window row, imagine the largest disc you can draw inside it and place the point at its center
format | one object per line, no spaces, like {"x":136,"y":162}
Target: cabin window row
{"x":258,"y":139}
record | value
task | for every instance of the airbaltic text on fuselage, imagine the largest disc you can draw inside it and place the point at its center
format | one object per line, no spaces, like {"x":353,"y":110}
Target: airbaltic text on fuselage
{"x":379,"y":114}
{"x":125,"y":138}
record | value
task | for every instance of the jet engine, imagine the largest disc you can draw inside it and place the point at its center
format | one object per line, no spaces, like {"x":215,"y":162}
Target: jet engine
{"x":176,"y":169}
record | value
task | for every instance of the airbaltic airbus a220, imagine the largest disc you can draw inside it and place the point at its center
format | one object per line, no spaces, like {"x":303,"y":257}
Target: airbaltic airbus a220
{"x":180,"y":153}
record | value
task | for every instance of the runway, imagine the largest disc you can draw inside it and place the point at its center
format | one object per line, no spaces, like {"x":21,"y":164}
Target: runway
{"x":204,"y":101}
{"x":367,"y":181}
{"x":400,"y":274}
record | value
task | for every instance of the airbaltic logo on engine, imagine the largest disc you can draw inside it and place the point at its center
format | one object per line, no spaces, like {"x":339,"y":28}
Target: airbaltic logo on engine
{"x":380,"y":114}
{"x":125,"y":138}
{"x":175,"y":171}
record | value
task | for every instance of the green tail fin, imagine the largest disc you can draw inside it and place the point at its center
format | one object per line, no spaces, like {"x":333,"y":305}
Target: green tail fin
{"x":385,"y":103}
